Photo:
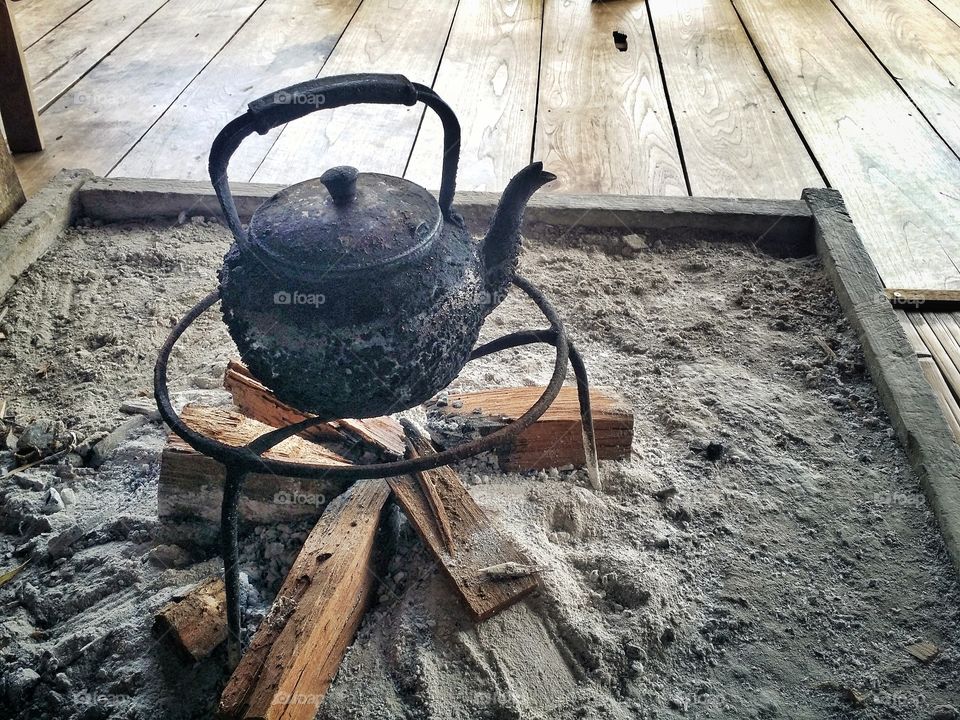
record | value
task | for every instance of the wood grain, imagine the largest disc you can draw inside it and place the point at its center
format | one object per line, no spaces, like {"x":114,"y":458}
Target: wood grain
{"x":488,"y":75}
{"x":385,"y":36}
{"x":897,"y":177}
{"x":918,"y":299}
{"x":270,"y":52}
{"x":921,"y":47}
{"x":555,"y":439}
{"x":478,"y":543}
{"x":737,"y":138}
{"x":603,"y":124}
{"x":297,"y":650}
{"x":17,"y":107}
{"x":81,"y":41}
{"x":36,"y":18}
{"x":950,"y":8}
{"x":105,"y":113}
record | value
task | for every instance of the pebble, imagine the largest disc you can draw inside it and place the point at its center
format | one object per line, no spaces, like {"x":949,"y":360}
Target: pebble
{"x":635,"y":242}
{"x":945,"y":712}
{"x":19,"y":683}
{"x":169,"y":556}
{"x":44,"y":436}
{"x":68,"y":496}
{"x":52,"y":502}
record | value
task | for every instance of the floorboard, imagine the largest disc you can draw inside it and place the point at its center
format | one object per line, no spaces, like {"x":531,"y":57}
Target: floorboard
{"x":385,"y":36}
{"x":35,"y":18}
{"x":103,"y":115}
{"x":603,"y":124}
{"x":737,"y":137}
{"x":81,"y":41}
{"x":950,"y":8}
{"x":270,"y":52}
{"x":921,"y":48}
{"x":897,"y":176}
{"x":493,"y":92}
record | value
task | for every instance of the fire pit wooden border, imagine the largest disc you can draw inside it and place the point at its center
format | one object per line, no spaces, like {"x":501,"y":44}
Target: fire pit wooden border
{"x":816,"y":223}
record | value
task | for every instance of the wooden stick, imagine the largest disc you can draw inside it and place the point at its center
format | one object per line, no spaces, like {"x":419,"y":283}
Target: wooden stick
{"x":480,"y":545}
{"x":11,"y":192}
{"x":295,"y":654}
{"x":195,"y":623}
{"x":256,"y":400}
{"x":418,"y":446}
{"x":928,"y":300}
{"x":555,"y":440}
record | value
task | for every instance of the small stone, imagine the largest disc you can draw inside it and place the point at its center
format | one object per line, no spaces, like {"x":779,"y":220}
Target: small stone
{"x":44,"y":436}
{"x":635,"y":242}
{"x":62,"y":682}
{"x":68,"y":496}
{"x":19,"y":683}
{"x":678,"y":703}
{"x":661,"y":542}
{"x":169,"y":556}
{"x":52,"y":502}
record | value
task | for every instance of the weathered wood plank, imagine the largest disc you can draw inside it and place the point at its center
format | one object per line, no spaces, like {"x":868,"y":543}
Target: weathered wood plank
{"x":488,"y":75}
{"x":81,"y":41}
{"x":921,"y":47}
{"x":904,"y":390}
{"x":268,"y":53}
{"x":35,"y":18}
{"x":385,"y":36}
{"x":554,"y":440}
{"x":950,"y":8}
{"x":195,"y":623}
{"x":737,"y":137}
{"x":603,"y":124}
{"x":298,"y":648}
{"x":781,"y":227}
{"x":867,"y":136}
{"x":17,"y":107}
{"x":917,"y":299}
{"x":478,"y":544}
{"x":102,"y":116}
{"x":35,"y":227}
{"x":11,"y":193}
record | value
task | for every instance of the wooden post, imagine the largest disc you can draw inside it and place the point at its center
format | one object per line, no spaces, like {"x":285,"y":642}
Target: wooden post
{"x":16,"y":94}
{"x":11,"y":193}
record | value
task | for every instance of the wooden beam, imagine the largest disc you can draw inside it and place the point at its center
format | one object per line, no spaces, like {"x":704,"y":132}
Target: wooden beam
{"x":11,"y":194}
{"x":297,"y":650}
{"x":16,"y":93}
{"x":477,"y":543}
{"x":195,"y":623}
{"x":555,"y":439}
{"x":191,"y":484}
{"x":256,"y":401}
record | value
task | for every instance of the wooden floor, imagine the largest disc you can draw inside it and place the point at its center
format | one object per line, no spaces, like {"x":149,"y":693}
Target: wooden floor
{"x":750,"y":98}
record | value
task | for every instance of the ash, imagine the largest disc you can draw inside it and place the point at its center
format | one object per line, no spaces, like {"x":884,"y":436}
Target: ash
{"x":783,"y":577}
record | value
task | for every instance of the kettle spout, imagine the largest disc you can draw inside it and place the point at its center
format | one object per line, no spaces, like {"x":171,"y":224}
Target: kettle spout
{"x":501,"y":247}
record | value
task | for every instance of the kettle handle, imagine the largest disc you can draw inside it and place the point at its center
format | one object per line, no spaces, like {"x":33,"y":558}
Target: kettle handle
{"x":326,"y":93}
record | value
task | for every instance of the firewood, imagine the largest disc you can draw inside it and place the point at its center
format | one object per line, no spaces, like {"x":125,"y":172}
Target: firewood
{"x":555,"y":440}
{"x":479,"y":545}
{"x":255,"y":400}
{"x":195,"y":623}
{"x":295,"y":654}
{"x":191,"y":484}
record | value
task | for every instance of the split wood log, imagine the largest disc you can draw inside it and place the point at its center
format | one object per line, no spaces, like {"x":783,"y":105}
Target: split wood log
{"x":477,"y":546}
{"x":195,"y":623}
{"x":257,"y":401}
{"x":191,"y":484}
{"x":555,"y":440}
{"x":295,"y":654}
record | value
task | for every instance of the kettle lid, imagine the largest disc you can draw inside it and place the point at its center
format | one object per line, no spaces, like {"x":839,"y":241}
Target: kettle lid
{"x":344,"y":223}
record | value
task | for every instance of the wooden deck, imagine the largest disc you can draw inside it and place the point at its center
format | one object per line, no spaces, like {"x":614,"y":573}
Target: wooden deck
{"x":750,"y":98}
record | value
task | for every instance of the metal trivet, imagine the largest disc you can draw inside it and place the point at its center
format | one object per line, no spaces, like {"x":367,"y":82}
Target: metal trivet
{"x":239,"y":461}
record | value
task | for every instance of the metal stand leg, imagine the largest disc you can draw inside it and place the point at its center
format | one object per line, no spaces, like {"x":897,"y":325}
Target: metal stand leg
{"x":229,"y":527}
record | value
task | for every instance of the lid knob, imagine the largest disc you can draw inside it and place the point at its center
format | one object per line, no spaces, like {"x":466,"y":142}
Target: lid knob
{"x":341,"y":183}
